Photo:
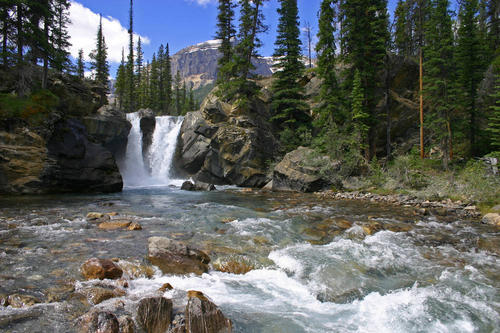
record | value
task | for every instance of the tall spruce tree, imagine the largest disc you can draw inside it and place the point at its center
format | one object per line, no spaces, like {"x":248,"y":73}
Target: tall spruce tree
{"x":60,"y":36}
{"x":167,"y":79}
{"x":130,"y":63}
{"x":439,"y":68}
{"x":365,"y":36}
{"x":290,"y":109}
{"x":80,"y":65}
{"x":358,"y":111}
{"x":154,"y":86}
{"x":178,"y":93}
{"x":161,"y":79}
{"x":139,"y":62}
{"x":121,"y":82}
{"x":225,"y":33}
{"x":329,"y":109}
{"x":99,"y":63}
{"x":494,"y":120}
{"x":470,"y":65}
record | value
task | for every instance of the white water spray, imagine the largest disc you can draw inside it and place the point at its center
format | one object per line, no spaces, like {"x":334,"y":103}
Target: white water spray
{"x":160,"y":155}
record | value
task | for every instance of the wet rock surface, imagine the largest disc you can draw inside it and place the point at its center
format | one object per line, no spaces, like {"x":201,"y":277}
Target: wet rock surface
{"x":202,"y":315}
{"x":174,"y":257}
{"x":98,"y":322}
{"x":95,"y":268}
{"x":197,"y":186}
{"x":154,"y":314}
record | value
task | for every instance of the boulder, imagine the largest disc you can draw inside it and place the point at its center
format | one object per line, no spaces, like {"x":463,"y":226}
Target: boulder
{"x":492,"y":218}
{"x":115,"y":225}
{"x":174,"y":257}
{"x":154,"y":314}
{"x":294,"y":173}
{"x":94,"y":216}
{"x":95,"y":268}
{"x":225,"y":144}
{"x":202,"y":315}
{"x":98,"y":322}
{"x":147,"y":125}
{"x":197,"y":186}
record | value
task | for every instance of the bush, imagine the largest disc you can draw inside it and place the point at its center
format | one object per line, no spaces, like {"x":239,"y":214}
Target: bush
{"x":33,"y":109}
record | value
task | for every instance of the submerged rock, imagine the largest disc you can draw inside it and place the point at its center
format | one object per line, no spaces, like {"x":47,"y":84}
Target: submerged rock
{"x":21,"y":301}
{"x":99,"y":294}
{"x":174,"y":257}
{"x":202,"y":315}
{"x":154,"y":314}
{"x":197,"y":186}
{"x":95,"y":268}
{"x":98,"y":322}
{"x":115,"y":225}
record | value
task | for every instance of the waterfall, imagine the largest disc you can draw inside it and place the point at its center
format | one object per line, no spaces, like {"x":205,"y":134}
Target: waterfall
{"x":160,"y":155}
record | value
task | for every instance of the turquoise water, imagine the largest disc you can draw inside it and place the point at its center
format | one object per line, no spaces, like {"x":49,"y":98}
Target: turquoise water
{"x":316,"y":269}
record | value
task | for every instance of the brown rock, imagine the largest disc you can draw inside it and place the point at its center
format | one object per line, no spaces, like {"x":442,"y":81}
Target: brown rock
{"x":95,"y":268}
{"x":233,"y":267}
{"x":115,"y":225}
{"x":98,"y":322}
{"x":126,"y":324}
{"x":492,"y":218}
{"x":154,"y":314}
{"x":93,"y":216}
{"x":174,"y":257}
{"x":372,"y":228}
{"x":165,"y":287}
{"x":135,"y":269}
{"x":21,"y":301}
{"x":134,"y":226}
{"x":202,"y":315}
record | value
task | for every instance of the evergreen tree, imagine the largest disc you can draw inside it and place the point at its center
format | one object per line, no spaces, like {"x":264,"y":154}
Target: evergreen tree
{"x":80,"y":65}
{"x":7,"y":8}
{"x":225,"y":33}
{"x":130,"y":63}
{"x":439,"y":70}
{"x":161,"y":80}
{"x":359,"y":115}
{"x":469,"y":64}
{"x":138,"y":73}
{"x":154,"y":91}
{"x":60,"y":36}
{"x":191,"y":101}
{"x":121,"y":83}
{"x":288,"y":104}
{"x":494,"y":121}
{"x":329,"y":109}
{"x":365,"y":37}
{"x":99,"y":63}
{"x":402,"y":38}
{"x":178,"y":93}
{"x":167,"y":79}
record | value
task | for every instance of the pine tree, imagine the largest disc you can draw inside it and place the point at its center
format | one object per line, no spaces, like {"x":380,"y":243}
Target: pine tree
{"x":365,"y":37}
{"x":439,"y":68}
{"x":161,"y":80}
{"x":178,"y":93}
{"x":225,"y":33}
{"x":494,"y":121}
{"x":60,"y":35}
{"x":80,"y":65}
{"x":130,"y":62}
{"x":138,"y":73}
{"x":7,"y":21}
{"x":99,"y":63}
{"x":191,"y":101}
{"x":359,"y":115}
{"x":121,"y":83}
{"x":288,"y":104}
{"x":402,"y":40}
{"x":167,"y":79}
{"x":154,"y":86}
{"x":329,"y":109}
{"x":469,"y":65}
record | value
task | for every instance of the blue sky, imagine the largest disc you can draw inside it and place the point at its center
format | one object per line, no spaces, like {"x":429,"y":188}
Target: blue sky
{"x":180,"y":23}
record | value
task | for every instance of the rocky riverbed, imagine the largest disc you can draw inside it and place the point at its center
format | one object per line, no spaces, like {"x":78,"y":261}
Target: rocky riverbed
{"x":260,"y":262}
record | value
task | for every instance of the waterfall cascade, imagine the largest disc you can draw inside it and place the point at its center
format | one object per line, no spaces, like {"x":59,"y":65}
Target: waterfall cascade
{"x":159,"y":157}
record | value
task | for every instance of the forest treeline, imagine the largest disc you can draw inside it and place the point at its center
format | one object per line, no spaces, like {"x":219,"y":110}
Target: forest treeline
{"x":458,"y":51}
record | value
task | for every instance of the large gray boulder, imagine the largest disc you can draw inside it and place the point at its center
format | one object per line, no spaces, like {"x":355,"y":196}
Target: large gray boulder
{"x":174,"y":257}
{"x":225,"y":144}
{"x":301,"y":170}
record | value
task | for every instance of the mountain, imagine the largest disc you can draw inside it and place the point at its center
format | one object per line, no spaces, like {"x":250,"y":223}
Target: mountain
{"x":198,"y":63}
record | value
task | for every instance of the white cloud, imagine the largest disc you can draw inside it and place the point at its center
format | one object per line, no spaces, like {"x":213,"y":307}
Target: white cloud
{"x":83,"y":31}
{"x":202,"y":2}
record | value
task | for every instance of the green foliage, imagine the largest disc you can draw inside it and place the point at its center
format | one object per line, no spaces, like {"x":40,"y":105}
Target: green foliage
{"x":494,"y":121}
{"x":359,"y":115}
{"x":99,"y":63}
{"x":33,"y":109}
{"x":225,"y":32}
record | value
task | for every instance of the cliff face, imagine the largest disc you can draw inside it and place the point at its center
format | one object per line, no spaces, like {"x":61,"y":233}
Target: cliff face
{"x":198,"y":63}
{"x":69,"y":155}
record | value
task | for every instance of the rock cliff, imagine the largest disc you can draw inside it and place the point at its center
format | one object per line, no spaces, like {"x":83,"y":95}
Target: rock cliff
{"x":224,"y":144}
{"x":67,"y":155}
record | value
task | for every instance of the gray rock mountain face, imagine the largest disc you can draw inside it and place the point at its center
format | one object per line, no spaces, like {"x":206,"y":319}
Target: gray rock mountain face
{"x":198,"y":63}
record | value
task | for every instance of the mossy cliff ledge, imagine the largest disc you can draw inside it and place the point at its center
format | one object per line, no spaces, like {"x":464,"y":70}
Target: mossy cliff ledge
{"x":63,"y":155}
{"x":225,"y":144}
